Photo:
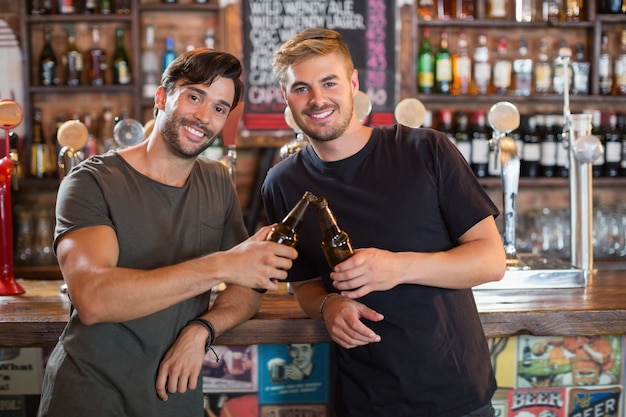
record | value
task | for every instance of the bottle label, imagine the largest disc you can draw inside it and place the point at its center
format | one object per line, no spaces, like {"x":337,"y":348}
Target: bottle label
{"x":543,"y":75}
{"x":502,"y":74}
{"x":532,"y":152}
{"x":123,"y":73}
{"x":613,"y":151}
{"x":443,"y":70}
{"x":426,"y":79}
{"x":482,"y":72}
{"x":480,"y":151}
{"x":548,"y":153}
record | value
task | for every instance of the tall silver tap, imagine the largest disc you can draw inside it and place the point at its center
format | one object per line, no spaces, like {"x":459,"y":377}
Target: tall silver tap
{"x":503,"y":118}
{"x":583,"y":149}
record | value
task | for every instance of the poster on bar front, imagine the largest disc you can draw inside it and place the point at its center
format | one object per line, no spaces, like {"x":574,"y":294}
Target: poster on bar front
{"x":295,"y":373}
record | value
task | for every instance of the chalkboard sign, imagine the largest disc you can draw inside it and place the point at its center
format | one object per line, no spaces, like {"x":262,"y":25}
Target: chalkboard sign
{"x":367,"y":26}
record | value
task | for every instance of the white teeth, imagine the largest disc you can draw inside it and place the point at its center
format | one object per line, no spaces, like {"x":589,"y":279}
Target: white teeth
{"x":321,"y":115}
{"x":194,"y":131}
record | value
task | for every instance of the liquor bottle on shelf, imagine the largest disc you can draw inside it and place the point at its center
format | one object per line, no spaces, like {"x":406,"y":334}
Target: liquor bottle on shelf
{"x":597,"y":129}
{"x":444,"y":124}
{"x":543,"y":69}
{"x":91,"y":7}
{"x":573,"y":10}
{"x":580,"y":71}
{"x":97,"y":59}
{"x":150,"y":65}
{"x":611,"y":6}
{"x":562,"y":152}
{"x":92,"y":146}
{"x":443,"y":66}
{"x":41,"y":7}
{"x":336,"y":243}
{"x":522,"y":71}
{"x":170,"y":1}
{"x":120,"y":62}
{"x":465,"y":9}
{"x":551,"y":10}
{"x":480,"y":145}
{"x":106,"y":7}
{"x":482,"y":67}
{"x":462,"y":135}
{"x":72,"y":61}
{"x":122,"y":6}
{"x":169,"y":54}
{"x":461,"y":67}
{"x":39,"y":150}
{"x":496,"y":9}
{"x":620,"y":66}
{"x":502,"y":69}
{"x":66,"y":7}
{"x":425,"y":64}
{"x":621,"y":126}
{"x":426,"y":9}
{"x":605,"y":68}
{"x":523,"y":11}
{"x":445,"y":9}
{"x":547,"y":163}
{"x":612,"y":148}
{"x":47,"y":61}
{"x":531,"y":153}
{"x":209,"y":38}
{"x":559,"y":67}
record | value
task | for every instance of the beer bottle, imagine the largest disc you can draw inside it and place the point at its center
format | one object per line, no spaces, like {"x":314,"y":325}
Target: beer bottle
{"x":286,"y":232}
{"x":336,"y":243}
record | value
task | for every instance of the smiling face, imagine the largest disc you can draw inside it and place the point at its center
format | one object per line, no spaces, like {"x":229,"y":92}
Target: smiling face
{"x":194,"y":114}
{"x":319,"y":92}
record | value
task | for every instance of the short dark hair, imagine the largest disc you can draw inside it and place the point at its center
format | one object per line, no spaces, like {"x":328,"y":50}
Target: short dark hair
{"x":204,"y":66}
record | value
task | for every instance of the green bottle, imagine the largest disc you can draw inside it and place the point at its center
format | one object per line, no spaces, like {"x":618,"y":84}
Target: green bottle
{"x":425,"y":65}
{"x":443,"y":66}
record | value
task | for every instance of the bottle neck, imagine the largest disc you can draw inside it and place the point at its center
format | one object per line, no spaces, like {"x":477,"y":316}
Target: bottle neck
{"x":295,"y":217}
{"x":328,"y":222}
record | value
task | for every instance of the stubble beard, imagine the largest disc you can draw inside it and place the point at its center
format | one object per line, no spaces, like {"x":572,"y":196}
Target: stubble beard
{"x":170,"y":134}
{"x":327,"y":133}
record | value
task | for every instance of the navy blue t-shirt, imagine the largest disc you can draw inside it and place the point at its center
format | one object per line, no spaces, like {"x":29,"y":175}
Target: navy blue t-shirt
{"x":406,"y":190}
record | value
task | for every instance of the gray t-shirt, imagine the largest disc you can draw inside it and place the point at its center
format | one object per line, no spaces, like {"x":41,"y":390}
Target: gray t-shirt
{"x":109,"y":369}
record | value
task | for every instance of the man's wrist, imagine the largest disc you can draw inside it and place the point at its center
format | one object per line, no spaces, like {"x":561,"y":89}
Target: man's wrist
{"x":324,"y":300}
{"x":210,"y":329}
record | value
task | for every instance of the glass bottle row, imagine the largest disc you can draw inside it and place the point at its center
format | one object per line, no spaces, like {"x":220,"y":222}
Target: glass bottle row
{"x":517,"y":10}
{"x":70,"y":7}
{"x":539,"y":140}
{"x":466,"y":69}
{"x":74,"y":67}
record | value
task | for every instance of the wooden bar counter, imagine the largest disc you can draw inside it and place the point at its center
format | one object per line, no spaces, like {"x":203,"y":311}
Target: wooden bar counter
{"x":36,"y":318}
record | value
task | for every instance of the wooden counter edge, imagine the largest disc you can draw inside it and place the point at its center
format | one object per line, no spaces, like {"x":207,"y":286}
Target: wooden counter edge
{"x":26,"y":323}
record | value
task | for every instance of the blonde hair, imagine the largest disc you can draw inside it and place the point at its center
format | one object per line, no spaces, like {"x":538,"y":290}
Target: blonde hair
{"x":308,"y":44}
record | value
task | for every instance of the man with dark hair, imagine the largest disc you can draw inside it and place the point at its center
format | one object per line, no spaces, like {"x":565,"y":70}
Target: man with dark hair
{"x":408,"y":338}
{"x":142,"y":235}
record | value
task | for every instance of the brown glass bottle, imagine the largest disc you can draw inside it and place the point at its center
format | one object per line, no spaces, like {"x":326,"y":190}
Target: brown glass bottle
{"x":336,"y":243}
{"x":286,"y":232}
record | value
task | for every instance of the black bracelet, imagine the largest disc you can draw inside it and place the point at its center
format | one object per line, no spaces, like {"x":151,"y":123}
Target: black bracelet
{"x":209,"y":327}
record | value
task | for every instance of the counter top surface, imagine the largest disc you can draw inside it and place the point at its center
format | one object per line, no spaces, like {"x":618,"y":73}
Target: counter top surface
{"x":38,"y":317}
